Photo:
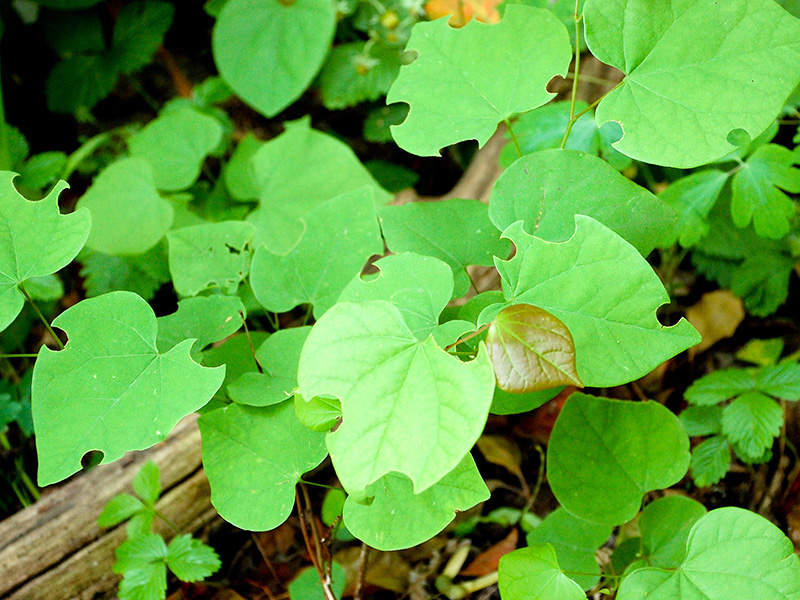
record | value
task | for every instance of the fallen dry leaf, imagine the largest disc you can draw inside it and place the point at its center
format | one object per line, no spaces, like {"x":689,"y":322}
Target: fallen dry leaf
{"x":486,"y":562}
{"x":716,"y":316}
{"x":500,"y":450}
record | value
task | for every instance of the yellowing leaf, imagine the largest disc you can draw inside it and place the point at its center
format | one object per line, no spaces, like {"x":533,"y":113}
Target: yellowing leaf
{"x":463,"y":11}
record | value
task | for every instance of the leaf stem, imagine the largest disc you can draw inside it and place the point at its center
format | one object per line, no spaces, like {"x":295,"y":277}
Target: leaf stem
{"x":18,"y":355}
{"x":314,"y":551}
{"x":4,"y":443}
{"x":469,"y":337}
{"x":590,"y":79}
{"x":167,"y":520}
{"x":250,"y":342}
{"x":576,"y":73}
{"x":537,"y":486}
{"x":46,"y":323}
{"x":363,"y":562}
{"x":322,"y":485}
{"x":513,"y":138}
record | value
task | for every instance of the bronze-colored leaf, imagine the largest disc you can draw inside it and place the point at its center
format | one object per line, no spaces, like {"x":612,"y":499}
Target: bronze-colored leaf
{"x":531,"y":350}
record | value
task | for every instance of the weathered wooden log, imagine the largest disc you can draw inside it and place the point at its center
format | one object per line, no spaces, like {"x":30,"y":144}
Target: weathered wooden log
{"x":54,"y":550}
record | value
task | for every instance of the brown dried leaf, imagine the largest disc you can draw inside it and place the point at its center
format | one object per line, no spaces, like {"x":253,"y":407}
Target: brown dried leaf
{"x":500,"y":450}
{"x":486,"y":562}
{"x":531,"y":350}
{"x":385,"y":570}
{"x":716,"y":316}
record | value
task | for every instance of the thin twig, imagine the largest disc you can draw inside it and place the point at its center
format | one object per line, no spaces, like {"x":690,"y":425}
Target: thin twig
{"x":468,"y":337}
{"x":363,"y":560}
{"x":537,"y":486}
{"x":250,"y":342}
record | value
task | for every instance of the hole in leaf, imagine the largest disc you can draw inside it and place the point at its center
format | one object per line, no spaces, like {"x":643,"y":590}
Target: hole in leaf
{"x":556,"y":84}
{"x":408,"y":56}
{"x":232,"y":249}
{"x":739,"y":137}
{"x":91,"y":459}
{"x":612,"y":131}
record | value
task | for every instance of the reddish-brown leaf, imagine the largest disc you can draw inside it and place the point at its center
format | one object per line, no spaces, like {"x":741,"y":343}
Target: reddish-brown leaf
{"x":486,"y":562}
{"x":531,"y":350}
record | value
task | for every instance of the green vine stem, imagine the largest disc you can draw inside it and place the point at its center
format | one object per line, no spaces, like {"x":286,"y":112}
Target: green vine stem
{"x":513,"y":140}
{"x":468,"y":337}
{"x":576,"y":73}
{"x":46,"y":323}
{"x":18,"y":355}
{"x":26,"y":481}
{"x":5,"y":154}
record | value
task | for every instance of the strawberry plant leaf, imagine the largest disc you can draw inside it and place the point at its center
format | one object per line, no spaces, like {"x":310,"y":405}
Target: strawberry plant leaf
{"x":138,"y":32}
{"x":456,"y":231}
{"x":710,"y":461}
{"x":120,"y":508}
{"x":252,"y":36}
{"x":396,"y":392}
{"x":146,"y":483}
{"x":781,"y":381}
{"x":124,"y":394}
{"x":575,"y":542}
{"x":752,"y":422}
{"x":175,"y":145}
{"x":253,"y":458}
{"x":206,"y":319}
{"x":36,"y":239}
{"x":665,"y":525}
{"x":606,"y":294}
{"x":296,"y":172}
{"x":534,"y":572}
{"x":457,"y":91}
{"x":310,"y":272}
{"x":701,"y":420}
{"x":214,"y":255}
{"x":128,"y":215}
{"x":730,"y":552}
{"x":397,"y":518}
{"x":190,"y":559}
{"x":278,"y":357}
{"x":605,"y":455}
{"x":531,"y":350}
{"x":141,"y":560}
{"x":735,"y":75}
{"x":547,"y":189}
{"x":720,"y":385}
{"x":757,"y":194}
{"x":419,"y":286}
{"x":692,"y":197}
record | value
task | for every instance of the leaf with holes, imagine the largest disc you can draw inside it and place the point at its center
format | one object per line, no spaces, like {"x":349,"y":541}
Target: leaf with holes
{"x":606,"y":294}
{"x":547,"y":189}
{"x":730,"y":553}
{"x":340,"y":236}
{"x":111,"y":389}
{"x":456,"y":231}
{"x":419,"y":286}
{"x":254,"y":456}
{"x":458,"y":91}
{"x":531,"y":350}
{"x":605,"y":455}
{"x":278,"y":357}
{"x":215,"y":255}
{"x":295,"y":173}
{"x":36,"y":240}
{"x":397,"y":392}
{"x":706,"y":68}
{"x":397,"y":518}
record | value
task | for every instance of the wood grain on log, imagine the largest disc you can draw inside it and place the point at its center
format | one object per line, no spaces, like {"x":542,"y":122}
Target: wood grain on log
{"x":55,"y":550}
